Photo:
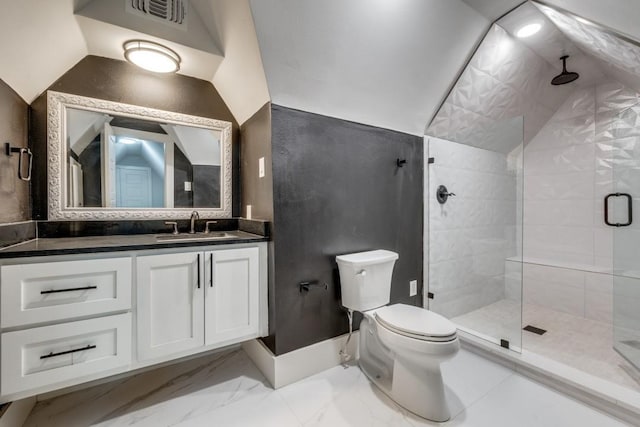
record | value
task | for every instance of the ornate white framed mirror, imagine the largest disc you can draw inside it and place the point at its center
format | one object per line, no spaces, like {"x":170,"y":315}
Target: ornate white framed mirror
{"x":110,"y":161}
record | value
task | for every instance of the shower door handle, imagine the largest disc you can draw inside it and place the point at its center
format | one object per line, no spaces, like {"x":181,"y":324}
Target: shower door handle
{"x":629,"y":209}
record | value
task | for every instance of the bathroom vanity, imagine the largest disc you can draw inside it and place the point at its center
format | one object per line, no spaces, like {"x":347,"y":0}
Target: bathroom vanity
{"x":83,"y":308}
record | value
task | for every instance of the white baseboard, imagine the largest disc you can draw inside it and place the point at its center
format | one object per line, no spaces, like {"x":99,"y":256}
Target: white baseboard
{"x":17,"y":412}
{"x":299,"y":364}
{"x":262,"y":357}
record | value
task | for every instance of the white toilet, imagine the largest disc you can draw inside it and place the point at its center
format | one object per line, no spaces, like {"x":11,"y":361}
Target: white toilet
{"x":401,"y":346}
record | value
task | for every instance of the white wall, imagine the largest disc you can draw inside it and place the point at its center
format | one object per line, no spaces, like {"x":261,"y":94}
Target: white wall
{"x":471,"y":235}
{"x":386,"y":63}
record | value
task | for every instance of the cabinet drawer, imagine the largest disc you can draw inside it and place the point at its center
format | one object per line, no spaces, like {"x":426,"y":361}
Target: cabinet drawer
{"x":39,"y":357}
{"x":46,"y":292}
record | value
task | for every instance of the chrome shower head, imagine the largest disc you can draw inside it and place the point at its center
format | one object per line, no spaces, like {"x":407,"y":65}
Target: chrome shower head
{"x":566,"y":76}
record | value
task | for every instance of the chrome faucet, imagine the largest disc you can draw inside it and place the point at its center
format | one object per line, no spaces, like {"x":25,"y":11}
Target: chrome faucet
{"x":194,"y":215}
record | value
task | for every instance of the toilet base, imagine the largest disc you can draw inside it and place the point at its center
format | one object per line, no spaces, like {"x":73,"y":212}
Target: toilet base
{"x":420,"y":389}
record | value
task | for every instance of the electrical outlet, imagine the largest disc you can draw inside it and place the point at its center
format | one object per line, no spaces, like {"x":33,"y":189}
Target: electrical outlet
{"x":187,"y":186}
{"x":413,"y":288}
{"x":261,"y":167}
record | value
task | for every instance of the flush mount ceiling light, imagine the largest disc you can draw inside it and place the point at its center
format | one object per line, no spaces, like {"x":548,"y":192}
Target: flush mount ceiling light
{"x":128,"y":141}
{"x":151,"y":56}
{"x":528,"y":30}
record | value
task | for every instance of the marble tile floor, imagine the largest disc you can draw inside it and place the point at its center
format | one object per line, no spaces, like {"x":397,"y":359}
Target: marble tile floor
{"x":576,"y":341}
{"x":227,"y":390}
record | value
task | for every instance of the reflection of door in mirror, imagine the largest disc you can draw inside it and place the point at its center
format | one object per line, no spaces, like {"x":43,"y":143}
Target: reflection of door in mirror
{"x":108,"y":153}
{"x":75,"y":183}
{"x":134,"y":186}
{"x":139,"y":171}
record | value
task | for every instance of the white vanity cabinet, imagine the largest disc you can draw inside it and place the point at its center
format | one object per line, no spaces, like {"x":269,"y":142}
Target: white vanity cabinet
{"x":70,"y":319}
{"x":197,"y":299}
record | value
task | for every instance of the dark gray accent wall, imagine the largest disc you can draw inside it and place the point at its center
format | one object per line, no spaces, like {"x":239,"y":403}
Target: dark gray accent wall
{"x":91,"y":174}
{"x":337,"y":190}
{"x":14,"y":193}
{"x":206,"y":186}
{"x":182,"y":172}
{"x":120,"y":81}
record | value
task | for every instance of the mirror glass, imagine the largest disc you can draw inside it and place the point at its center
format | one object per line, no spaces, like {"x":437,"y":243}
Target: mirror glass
{"x":116,"y":161}
{"x":108,"y":160}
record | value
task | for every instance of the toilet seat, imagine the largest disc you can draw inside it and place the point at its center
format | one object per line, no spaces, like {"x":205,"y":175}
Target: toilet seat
{"x":415,"y":322}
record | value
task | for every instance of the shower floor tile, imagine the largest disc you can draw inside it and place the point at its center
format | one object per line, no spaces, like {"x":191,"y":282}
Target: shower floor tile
{"x":582,"y":343}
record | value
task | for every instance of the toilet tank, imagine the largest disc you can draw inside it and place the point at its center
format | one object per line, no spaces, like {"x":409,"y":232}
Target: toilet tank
{"x":365,"y":278}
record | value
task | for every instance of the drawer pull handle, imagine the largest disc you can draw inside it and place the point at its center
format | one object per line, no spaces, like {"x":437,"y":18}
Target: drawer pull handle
{"x":62,"y":353}
{"x":57,"y":291}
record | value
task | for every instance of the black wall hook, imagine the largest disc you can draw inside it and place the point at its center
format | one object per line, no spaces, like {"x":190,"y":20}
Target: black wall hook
{"x":400,"y":162}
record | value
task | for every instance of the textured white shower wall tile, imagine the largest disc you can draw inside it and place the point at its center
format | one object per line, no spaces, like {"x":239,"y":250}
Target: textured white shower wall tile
{"x":474,"y":184}
{"x":598,"y":282}
{"x":555,"y":275}
{"x":555,"y":288}
{"x":501,"y":82}
{"x":563,"y":244}
{"x":598,"y":306}
{"x":457,"y":156}
{"x":473,"y":233}
{"x":553,"y":161}
{"x":568,"y":186}
{"x":513,"y":280}
{"x":563,"y":212}
{"x":611,"y":50}
{"x":626,"y":300}
{"x":569,"y":166}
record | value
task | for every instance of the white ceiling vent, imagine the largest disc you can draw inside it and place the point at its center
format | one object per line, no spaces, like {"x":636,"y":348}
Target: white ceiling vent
{"x":171,"y":12}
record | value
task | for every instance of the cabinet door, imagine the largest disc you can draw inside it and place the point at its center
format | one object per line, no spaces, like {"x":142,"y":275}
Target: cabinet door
{"x":170,"y":304}
{"x":231,"y":305}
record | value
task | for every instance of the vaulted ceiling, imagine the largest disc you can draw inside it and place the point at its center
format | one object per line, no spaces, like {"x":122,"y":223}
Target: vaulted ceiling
{"x":387,"y":63}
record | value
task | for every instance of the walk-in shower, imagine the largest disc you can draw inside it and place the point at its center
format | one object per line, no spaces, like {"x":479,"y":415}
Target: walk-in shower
{"x":538,"y":250}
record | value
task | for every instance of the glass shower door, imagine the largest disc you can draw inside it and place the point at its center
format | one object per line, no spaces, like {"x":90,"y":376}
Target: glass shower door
{"x":473,"y":219}
{"x":622,"y":207}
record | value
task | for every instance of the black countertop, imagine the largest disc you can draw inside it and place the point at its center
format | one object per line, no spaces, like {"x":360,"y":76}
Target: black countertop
{"x":116,"y":243}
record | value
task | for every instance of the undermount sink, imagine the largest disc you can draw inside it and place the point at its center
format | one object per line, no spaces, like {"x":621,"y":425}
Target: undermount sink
{"x":186,"y":237}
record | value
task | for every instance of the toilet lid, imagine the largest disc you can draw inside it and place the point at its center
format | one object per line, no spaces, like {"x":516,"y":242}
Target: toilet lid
{"x":415,"y":322}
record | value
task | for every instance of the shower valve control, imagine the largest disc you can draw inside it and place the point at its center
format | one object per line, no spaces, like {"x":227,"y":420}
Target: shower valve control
{"x":442,"y":194}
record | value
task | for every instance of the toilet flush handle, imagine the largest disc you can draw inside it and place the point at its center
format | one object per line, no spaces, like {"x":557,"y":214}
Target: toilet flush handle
{"x":361,"y":273}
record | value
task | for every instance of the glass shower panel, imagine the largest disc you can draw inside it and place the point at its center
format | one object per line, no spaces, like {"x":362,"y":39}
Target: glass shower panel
{"x":475,"y":232}
{"x":623,"y":207}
